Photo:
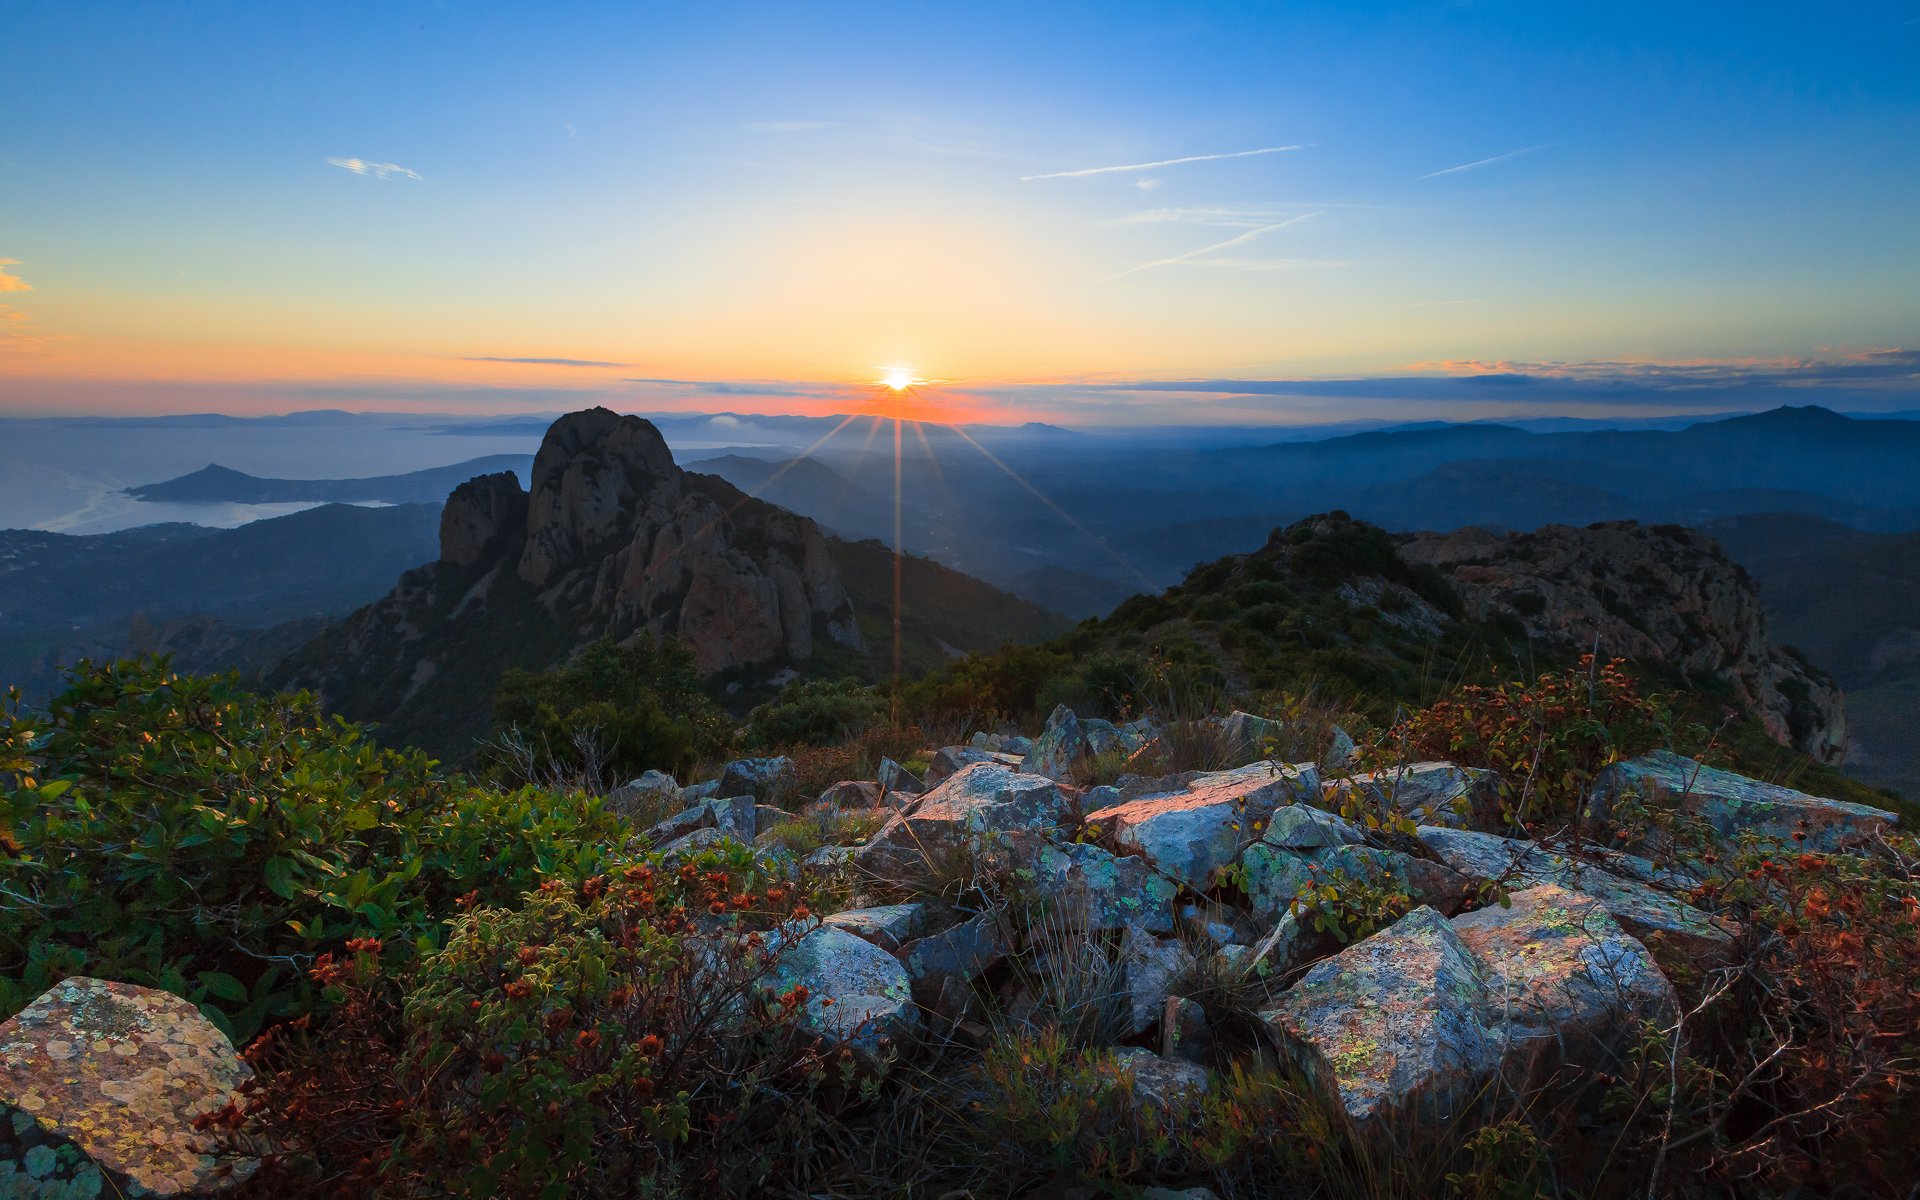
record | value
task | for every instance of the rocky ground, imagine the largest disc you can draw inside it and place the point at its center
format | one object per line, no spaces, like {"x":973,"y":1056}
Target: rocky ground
{"x":1406,"y":955}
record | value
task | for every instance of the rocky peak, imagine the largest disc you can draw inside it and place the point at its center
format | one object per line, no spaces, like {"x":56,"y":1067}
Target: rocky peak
{"x":1659,"y":594}
{"x":595,"y":469}
{"x":478,"y":515}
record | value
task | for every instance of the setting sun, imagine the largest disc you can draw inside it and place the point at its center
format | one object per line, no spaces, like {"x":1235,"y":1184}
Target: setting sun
{"x":897,"y":378}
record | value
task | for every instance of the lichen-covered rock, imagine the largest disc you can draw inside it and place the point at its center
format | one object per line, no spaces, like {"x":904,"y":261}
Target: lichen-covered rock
{"x":896,"y":781}
{"x":100,"y":1084}
{"x":1274,"y":876}
{"x":1303,"y":827}
{"x":976,"y":803}
{"x":1341,"y":753}
{"x":1070,"y":740}
{"x":890,"y":926}
{"x":1092,"y":889}
{"x":858,"y":995}
{"x":1734,"y":805}
{"x":1430,"y":793}
{"x":1162,"y":1083}
{"x":852,"y":793}
{"x":1658,"y":919}
{"x":1393,"y":1025}
{"x":1189,"y":833}
{"x":1562,"y":978}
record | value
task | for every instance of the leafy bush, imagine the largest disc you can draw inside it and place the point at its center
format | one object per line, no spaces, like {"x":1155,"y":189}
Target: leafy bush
{"x":626,"y":1034}
{"x":186,"y":834}
{"x":1547,"y":738}
{"x":815,"y":712}
{"x":609,"y":713}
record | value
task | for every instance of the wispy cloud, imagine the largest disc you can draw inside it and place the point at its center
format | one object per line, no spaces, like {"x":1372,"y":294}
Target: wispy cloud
{"x":1201,"y":257}
{"x":1214,"y":217}
{"x":1154,"y":166}
{"x":544,"y":362}
{"x":784,"y":126}
{"x":10,"y":282}
{"x":1485,"y":162}
{"x":573,"y":131}
{"x":379,"y":170}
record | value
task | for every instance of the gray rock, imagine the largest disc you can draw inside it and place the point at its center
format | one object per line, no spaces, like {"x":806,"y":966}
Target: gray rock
{"x":1162,"y":1083}
{"x":1190,"y":833}
{"x":1430,"y":793}
{"x":650,"y":792}
{"x":1734,"y":805}
{"x":949,"y":759}
{"x":1341,"y":753}
{"x":761,"y":778}
{"x":942,"y":965}
{"x":1563,"y":978}
{"x":735,"y":816}
{"x":896,"y":780}
{"x":1092,"y":889}
{"x":852,"y":793}
{"x":1059,"y":748}
{"x":965,"y":811}
{"x":1655,"y":917}
{"x":890,"y":926}
{"x":1303,"y":827}
{"x":693,"y":843}
{"x":1184,"y":1032}
{"x":858,"y":995}
{"x":1393,"y":1026}
{"x":695,"y":793}
{"x":1153,"y":966}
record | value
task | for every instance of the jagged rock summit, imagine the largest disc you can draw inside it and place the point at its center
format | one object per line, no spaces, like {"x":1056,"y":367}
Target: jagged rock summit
{"x":612,"y":540}
{"x":1658,"y":594}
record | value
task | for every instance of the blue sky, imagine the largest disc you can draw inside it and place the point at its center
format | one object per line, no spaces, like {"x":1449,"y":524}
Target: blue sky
{"x":232,"y":205}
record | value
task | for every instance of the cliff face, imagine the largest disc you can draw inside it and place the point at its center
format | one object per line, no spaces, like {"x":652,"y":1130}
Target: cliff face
{"x":1658,"y":594}
{"x":612,"y":540}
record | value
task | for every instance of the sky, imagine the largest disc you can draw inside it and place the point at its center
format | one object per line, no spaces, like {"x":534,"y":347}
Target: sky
{"x":1094,"y":214}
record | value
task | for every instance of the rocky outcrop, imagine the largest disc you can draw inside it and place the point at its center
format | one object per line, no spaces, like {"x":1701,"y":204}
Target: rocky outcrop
{"x":612,"y":540}
{"x":1661,"y":595}
{"x":1733,"y":805}
{"x":100,"y":1087}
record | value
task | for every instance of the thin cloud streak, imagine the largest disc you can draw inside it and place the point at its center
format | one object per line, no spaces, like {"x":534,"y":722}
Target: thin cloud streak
{"x":544,"y":362}
{"x":1153,"y":166}
{"x":1485,"y":162}
{"x":1197,"y":257}
{"x":378,"y":170}
{"x":12,"y":283}
{"x":784,"y":126}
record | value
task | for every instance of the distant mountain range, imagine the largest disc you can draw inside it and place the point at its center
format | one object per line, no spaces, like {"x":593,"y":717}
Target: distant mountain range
{"x":217,"y":484}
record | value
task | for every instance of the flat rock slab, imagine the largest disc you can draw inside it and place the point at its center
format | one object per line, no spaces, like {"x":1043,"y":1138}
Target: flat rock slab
{"x":1734,"y":805}
{"x":1560,"y":973}
{"x":1643,"y":910}
{"x":889,"y":926}
{"x":1190,"y":832}
{"x":99,"y":1087}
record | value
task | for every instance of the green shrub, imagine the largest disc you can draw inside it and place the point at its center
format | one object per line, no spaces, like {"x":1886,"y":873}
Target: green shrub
{"x":815,"y":712}
{"x":609,"y":713}
{"x":186,"y":834}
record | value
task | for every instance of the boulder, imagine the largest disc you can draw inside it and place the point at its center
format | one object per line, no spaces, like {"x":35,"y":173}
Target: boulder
{"x":1562,"y":978}
{"x":941,"y":966}
{"x":650,"y":793}
{"x":1162,"y":1083}
{"x":1092,"y":889}
{"x":736,"y":817}
{"x":693,"y":843}
{"x":968,"y":809}
{"x":1070,"y":740}
{"x":1341,"y":753}
{"x":890,"y":926}
{"x":1734,"y":805}
{"x":1183,"y":1030}
{"x":1642,"y":909}
{"x":1303,"y":827}
{"x":858,"y":995}
{"x":761,"y":778}
{"x":852,"y":793}
{"x":896,"y":780}
{"x":100,"y":1085}
{"x":1430,"y":793}
{"x":1190,"y":833}
{"x":1249,"y":736}
{"x":1393,"y":1026}
{"x":697,"y":792}
{"x":949,"y":759}
{"x":1153,"y":966}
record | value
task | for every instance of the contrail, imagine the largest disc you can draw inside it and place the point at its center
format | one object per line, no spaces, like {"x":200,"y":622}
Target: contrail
{"x":1483,"y":162}
{"x":1165,"y":162}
